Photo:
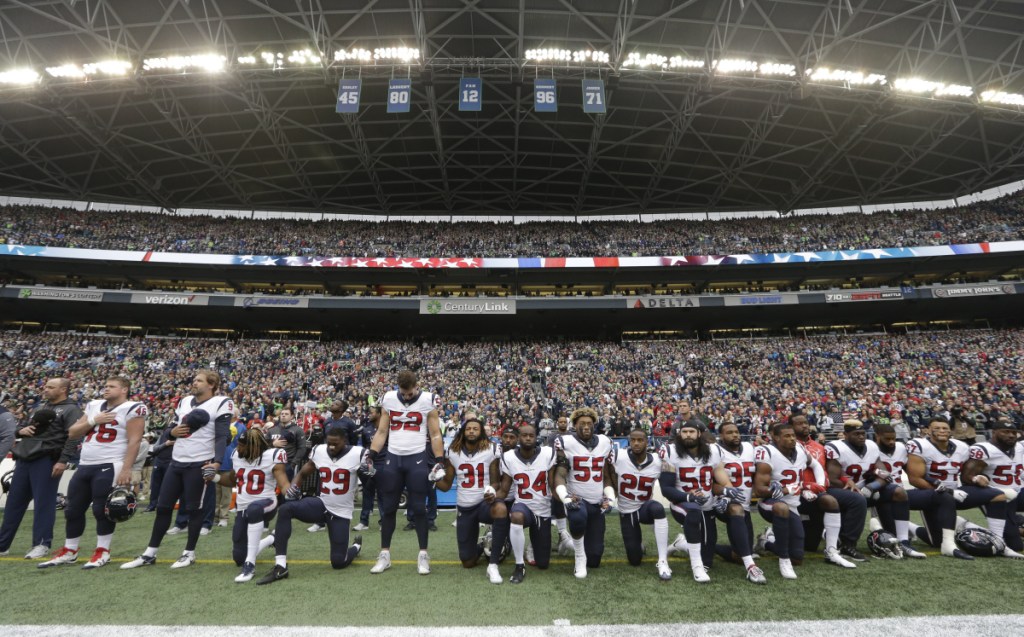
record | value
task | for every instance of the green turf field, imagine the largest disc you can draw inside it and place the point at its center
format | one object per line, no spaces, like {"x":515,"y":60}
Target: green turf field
{"x":205,"y":594}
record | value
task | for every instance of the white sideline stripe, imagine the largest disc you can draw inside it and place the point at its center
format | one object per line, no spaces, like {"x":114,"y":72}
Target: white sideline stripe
{"x":946,"y":626}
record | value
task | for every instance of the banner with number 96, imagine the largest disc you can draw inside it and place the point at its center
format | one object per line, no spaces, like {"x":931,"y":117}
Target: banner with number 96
{"x":545,"y":97}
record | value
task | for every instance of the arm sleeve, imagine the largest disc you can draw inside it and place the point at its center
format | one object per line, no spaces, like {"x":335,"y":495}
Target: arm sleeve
{"x":8,"y":427}
{"x":70,"y":450}
{"x":220,"y":440}
{"x":668,"y":488}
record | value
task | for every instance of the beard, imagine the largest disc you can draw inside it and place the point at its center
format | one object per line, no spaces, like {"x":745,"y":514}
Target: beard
{"x":689,"y":443}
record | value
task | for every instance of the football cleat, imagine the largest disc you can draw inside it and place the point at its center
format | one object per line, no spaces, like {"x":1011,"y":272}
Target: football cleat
{"x":1013,"y":555}
{"x":519,"y":574}
{"x":910,"y":551}
{"x":204,"y":531}
{"x":423,"y":563}
{"x":63,"y":556}
{"x":100,"y":557}
{"x":248,"y":572}
{"x":493,"y":574}
{"x":38,"y":552}
{"x":316,"y":527}
{"x":278,"y":573}
{"x":786,"y":569}
{"x":755,"y":575}
{"x":580,"y":568}
{"x":678,"y":545}
{"x":850,"y":552}
{"x":184,"y":560}
{"x":832,"y":555}
{"x":530,"y":559}
{"x":383,"y":563}
{"x":360,"y":527}
{"x":958,"y":554}
{"x":763,"y":539}
{"x":176,"y":530}
{"x":142,"y":560}
{"x":664,"y":572}
{"x":700,"y":575}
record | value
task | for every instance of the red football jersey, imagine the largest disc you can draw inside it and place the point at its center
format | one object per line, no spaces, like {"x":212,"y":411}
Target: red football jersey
{"x":817,"y":451}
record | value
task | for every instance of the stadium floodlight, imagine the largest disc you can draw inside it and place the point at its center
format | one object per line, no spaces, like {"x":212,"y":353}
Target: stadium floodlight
{"x":247,"y":59}
{"x":402,"y":54}
{"x":733,"y":65}
{"x":208,"y":62}
{"x":107,"y":67}
{"x":305,"y":57}
{"x":651,"y":60}
{"x":773,"y":68}
{"x":353,"y":55}
{"x":65,"y":70}
{"x":580,"y":56}
{"x":679,"y":62}
{"x":852,"y":78}
{"x":1001,"y":97}
{"x":921,"y":86}
{"x":19,"y":76}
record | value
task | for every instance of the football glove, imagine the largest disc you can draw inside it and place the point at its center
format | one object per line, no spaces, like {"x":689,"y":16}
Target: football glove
{"x":208,"y":473}
{"x":809,"y":495}
{"x":720,"y":505}
{"x":294,"y":492}
{"x":883,"y":475}
{"x":776,"y":490}
{"x":941,"y":488}
{"x":572,"y":504}
{"x":488,"y":491}
{"x":959,"y":495}
{"x":437,"y":472}
{"x":732,"y":494}
{"x":366,"y":467}
{"x":698,"y":497}
{"x":607,"y":501}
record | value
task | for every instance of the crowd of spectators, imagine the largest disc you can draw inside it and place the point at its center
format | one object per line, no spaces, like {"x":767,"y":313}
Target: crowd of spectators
{"x":901,"y":379}
{"x":996,"y":220}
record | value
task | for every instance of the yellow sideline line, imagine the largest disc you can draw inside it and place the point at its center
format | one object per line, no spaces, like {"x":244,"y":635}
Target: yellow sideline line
{"x":413,"y":562}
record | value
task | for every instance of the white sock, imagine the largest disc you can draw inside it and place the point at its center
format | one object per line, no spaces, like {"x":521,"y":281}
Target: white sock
{"x":832,"y":525}
{"x":996,"y":525}
{"x":661,"y":538}
{"x":265,"y":543}
{"x":696,"y":561}
{"x":281,"y":560}
{"x":191,"y":554}
{"x":577,"y":544}
{"x":150,"y":551}
{"x":748,"y":561}
{"x":518,"y":540}
{"x":103,"y":541}
{"x":560,"y":525}
{"x":902,"y":530}
{"x":252,"y":547}
{"x":912,"y":528}
{"x":72,"y":543}
{"x":948,"y":541}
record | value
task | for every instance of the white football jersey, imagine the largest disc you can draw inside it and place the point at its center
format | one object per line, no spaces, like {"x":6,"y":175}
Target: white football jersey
{"x":201,"y":444}
{"x":740,"y":468}
{"x":408,"y":434}
{"x":108,"y":443}
{"x":530,"y":478}
{"x":472,"y":473}
{"x":1004,"y":470}
{"x":256,"y":480}
{"x":895,"y":461}
{"x":586,"y":465}
{"x":691,"y":473}
{"x":943,"y":466}
{"x":786,"y":470}
{"x":338,"y":480}
{"x":635,"y":483}
{"x":855,"y":465}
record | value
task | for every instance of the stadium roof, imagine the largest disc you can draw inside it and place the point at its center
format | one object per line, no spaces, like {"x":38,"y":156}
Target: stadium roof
{"x":673,"y":139}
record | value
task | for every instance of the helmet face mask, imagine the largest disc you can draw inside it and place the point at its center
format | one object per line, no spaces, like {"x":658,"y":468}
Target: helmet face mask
{"x":884,"y":545}
{"x":120,"y":505}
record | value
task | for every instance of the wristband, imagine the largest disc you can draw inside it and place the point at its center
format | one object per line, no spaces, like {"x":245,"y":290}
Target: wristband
{"x":562,"y":492}
{"x":438,"y":459}
{"x":91,"y":420}
{"x":216,"y":478}
{"x":609,"y":493}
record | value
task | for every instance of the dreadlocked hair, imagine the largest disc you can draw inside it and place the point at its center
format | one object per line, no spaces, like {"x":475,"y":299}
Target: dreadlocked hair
{"x":255,"y":444}
{"x":459,"y":441}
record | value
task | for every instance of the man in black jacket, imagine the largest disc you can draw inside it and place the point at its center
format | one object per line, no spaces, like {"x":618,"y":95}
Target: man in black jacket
{"x":42,"y":456}
{"x":290,"y":437}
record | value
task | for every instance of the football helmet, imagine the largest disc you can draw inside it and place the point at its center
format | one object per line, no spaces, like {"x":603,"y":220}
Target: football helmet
{"x":120,"y":505}
{"x":62,"y":501}
{"x":980,"y":542}
{"x":5,"y":481}
{"x":884,"y":545}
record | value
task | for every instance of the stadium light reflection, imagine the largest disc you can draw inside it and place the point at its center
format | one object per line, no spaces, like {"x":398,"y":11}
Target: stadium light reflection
{"x":1001,"y":97}
{"x":209,"y":62}
{"x":566,"y":55}
{"x":19,"y":77}
{"x":824,"y":74}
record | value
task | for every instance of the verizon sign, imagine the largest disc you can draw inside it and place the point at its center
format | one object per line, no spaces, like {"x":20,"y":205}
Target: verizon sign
{"x":159,"y":298}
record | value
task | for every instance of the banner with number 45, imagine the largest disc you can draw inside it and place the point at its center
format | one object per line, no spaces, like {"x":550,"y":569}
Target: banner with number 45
{"x":348,"y":96}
